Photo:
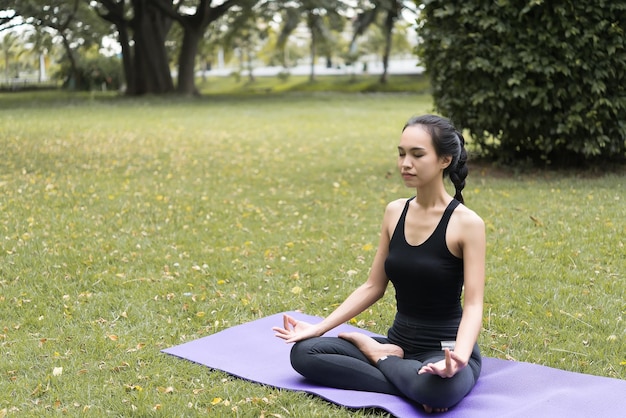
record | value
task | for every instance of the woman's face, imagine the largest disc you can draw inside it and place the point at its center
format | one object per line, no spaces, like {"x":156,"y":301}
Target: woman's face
{"x":418,"y":161}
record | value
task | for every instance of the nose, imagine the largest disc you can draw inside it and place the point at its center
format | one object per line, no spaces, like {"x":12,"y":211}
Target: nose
{"x":405,"y":161}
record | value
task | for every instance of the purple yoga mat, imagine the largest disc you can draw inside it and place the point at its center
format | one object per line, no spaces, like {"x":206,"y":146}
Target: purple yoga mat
{"x":505,"y":389}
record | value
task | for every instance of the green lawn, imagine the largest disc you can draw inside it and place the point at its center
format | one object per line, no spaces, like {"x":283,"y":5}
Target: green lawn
{"x":132,"y":225}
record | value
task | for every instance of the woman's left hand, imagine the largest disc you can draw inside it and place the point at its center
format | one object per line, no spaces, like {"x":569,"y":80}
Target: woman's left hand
{"x":447,"y":367}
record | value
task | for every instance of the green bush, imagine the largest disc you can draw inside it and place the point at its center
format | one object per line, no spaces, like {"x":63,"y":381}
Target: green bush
{"x":537,"y":80}
{"x":93,"y":73}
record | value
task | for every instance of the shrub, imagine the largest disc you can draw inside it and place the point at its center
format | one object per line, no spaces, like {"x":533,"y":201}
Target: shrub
{"x":93,"y":73}
{"x":537,"y":80}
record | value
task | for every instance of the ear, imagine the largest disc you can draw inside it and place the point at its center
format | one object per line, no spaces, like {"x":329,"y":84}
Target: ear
{"x":445,"y":161}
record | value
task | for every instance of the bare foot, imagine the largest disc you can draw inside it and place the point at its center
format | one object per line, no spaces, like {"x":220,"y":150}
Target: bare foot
{"x":429,"y":409}
{"x":372,"y":349}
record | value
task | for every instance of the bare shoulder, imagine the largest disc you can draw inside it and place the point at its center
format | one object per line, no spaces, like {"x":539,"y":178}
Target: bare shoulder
{"x":468,"y":218}
{"x":395,"y":205}
{"x":467,"y":224}
{"x":394,"y":209}
{"x":466,"y":231}
{"x":392,"y":214}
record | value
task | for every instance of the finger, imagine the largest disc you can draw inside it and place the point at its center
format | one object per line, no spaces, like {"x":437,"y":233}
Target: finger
{"x":279,"y":332}
{"x":449,"y":370}
{"x":428,"y":368}
{"x":456,"y":357}
{"x":286,"y":319}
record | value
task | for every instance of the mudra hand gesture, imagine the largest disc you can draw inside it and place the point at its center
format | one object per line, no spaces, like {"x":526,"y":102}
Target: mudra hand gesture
{"x":294,"y":330}
{"x":447,"y":367}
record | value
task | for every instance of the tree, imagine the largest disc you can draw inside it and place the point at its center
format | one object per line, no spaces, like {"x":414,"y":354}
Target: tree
{"x":9,"y":19}
{"x":8,"y":44}
{"x":146,"y":64}
{"x":544,"y":81}
{"x":244,"y":30}
{"x":42,"y":44}
{"x":320,"y":16}
{"x":194,"y":26}
{"x":71,"y":20}
{"x":369,"y":14}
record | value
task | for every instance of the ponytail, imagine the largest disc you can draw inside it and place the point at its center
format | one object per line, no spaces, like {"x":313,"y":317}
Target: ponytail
{"x":459,"y":172}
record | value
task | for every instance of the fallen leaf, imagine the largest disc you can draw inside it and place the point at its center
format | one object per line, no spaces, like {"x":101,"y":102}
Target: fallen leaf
{"x":57,"y":371}
{"x":168,"y":389}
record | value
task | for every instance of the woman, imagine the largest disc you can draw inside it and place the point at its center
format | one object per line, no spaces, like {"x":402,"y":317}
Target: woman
{"x":432,"y":248}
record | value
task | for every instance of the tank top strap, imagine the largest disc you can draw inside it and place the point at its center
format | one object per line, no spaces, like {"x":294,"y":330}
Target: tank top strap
{"x":447,"y":214}
{"x":400,"y":225}
{"x":404,"y":212}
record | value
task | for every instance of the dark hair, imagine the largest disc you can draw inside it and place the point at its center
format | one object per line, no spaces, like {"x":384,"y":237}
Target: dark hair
{"x":447,"y":142}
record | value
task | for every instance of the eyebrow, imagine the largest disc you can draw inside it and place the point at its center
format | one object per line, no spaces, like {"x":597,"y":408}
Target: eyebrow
{"x":412,"y":149}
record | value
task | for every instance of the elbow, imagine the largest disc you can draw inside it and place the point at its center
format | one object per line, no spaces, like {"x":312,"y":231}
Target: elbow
{"x":378,"y":293}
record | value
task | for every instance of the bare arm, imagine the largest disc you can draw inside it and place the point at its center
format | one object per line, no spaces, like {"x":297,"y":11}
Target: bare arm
{"x":474,"y":250}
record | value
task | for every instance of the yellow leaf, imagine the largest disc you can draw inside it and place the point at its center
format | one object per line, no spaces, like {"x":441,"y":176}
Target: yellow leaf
{"x":296,"y":290}
{"x":112,"y":337}
{"x":200,"y":314}
{"x":367,"y":247}
{"x":168,"y":389}
{"x":215,"y":401}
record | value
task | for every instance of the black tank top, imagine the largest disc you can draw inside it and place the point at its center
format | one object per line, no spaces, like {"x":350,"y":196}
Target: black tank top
{"x":428,"y":278}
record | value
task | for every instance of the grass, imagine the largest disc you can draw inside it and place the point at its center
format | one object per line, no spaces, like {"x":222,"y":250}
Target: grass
{"x":132,"y":225}
{"x":397,"y":83}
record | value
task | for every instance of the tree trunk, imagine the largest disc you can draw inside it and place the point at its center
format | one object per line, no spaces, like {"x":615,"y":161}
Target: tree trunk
{"x":187,"y":61}
{"x":152,"y":73}
{"x":73,"y":81}
{"x":389,"y":22}
{"x":249,"y":62}
{"x":127,"y":58}
{"x":313,"y":53}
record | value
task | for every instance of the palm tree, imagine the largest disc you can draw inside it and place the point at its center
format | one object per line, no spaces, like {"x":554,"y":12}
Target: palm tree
{"x":319,"y":15}
{"x":9,"y":45}
{"x":390,"y":10}
{"x":244,"y":32}
{"x":42,"y":46}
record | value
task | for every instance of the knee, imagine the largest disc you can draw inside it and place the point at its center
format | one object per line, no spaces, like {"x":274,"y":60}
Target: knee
{"x":300,"y":356}
{"x":438,"y":392}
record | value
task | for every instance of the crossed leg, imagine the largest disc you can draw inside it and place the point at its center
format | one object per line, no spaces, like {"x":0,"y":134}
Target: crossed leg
{"x":376,"y":351}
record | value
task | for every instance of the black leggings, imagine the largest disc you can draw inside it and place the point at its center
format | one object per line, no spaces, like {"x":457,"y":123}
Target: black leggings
{"x":335,"y":362}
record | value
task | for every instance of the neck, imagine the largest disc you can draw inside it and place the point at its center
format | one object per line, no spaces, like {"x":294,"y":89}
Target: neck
{"x":432,"y":197}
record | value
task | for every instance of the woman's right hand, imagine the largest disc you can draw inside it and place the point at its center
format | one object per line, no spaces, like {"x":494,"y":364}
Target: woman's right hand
{"x":294,"y":330}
